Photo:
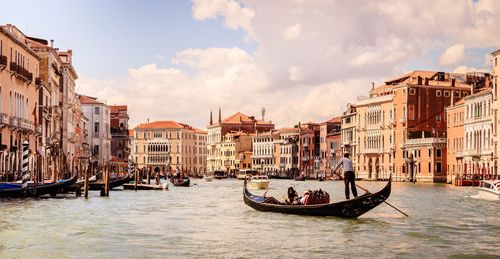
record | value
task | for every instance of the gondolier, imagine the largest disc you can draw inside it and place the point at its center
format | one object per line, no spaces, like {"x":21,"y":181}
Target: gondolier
{"x":349,"y":176}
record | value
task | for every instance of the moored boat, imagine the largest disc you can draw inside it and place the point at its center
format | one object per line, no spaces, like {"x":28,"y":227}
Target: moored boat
{"x":258,"y":182}
{"x":352,"y":208}
{"x":208,"y":178}
{"x":99,"y":185}
{"x":182,"y":182}
{"x":220,"y":175}
{"x":143,"y":186}
{"x":15,"y":190}
{"x":490,"y":188}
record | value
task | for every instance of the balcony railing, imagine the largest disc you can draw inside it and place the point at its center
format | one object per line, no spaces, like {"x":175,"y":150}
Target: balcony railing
{"x":38,"y":81}
{"x":459,"y":153}
{"x":21,"y":72}
{"x":14,"y":121}
{"x":3,"y":61}
{"x":26,"y":124}
{"x":119,"y":132}
{"x":426,"y":141}
{"x":4,"y":118}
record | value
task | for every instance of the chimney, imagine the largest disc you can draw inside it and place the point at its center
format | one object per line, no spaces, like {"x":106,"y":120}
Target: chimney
{"x":148,"y":120}
{"x":51,"y":43}
{"x":419,"y":80}
{"x":373,"y":85}
{"x":426,"y":81}
{"x":211,"y":121}
{"x":453,"y":82}
{"x":220,"y":120}
{"x":452,"y":98}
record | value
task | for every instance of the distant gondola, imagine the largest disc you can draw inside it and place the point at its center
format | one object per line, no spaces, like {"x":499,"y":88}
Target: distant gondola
{"x":345,"y":209}
{"x":15,"y":190}
{"x":300,"y":178}
{"x":99,"y":185}
{"x":183,"y":182}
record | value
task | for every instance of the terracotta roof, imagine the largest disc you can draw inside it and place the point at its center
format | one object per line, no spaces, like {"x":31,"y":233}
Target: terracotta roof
{"x":240,"y":117}
{"x":287,"y":130}
{"x":161,"y":125}
{"x":199,"y":131}
{"x":131,"y":133}
{"x":117,"y":108}
{"x":88,"y":100}
{"x":335,"y":120}
{"x":415,"y":73}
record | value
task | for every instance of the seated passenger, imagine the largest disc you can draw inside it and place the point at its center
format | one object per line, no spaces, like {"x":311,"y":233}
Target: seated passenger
{"x":292,"y":194}
{"x":304,"y":198}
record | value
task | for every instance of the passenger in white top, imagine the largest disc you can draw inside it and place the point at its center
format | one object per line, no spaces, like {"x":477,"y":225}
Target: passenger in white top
{"x":349,"y":176}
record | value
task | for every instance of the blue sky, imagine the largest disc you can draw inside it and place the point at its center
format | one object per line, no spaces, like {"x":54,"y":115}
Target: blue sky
{"x":177,"y":60}
{"x":108,"y":37}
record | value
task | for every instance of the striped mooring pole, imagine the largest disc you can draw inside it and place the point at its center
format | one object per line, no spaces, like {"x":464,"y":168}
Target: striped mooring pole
{"x":25,"y":171}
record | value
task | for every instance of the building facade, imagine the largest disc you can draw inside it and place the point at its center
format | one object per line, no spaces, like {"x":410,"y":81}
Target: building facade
{"x":19,"y":76}
{"x":329,"y":144}
{"x":98,"y":128}
{"x":168,"y":146}
{"x":119,"y":117}
{"x":263,"y":152}
{"x":286,"y":152}
{"x":349,"y":132}
{"x":234,"y":123}
{"x":455,"y":114}
{"x":309,"y":150}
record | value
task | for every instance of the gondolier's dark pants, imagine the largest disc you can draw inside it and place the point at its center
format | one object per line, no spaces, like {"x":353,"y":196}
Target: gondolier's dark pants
{"x":349,"y":178}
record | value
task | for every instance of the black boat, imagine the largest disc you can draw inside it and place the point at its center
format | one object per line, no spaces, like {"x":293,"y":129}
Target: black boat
{"x":345,"y":209}
{"x":300,"y":178}
{"x":99,"y":185}
{"x":183,"y":182}
{"x":220,"y":175}
{"x":15,"y":190}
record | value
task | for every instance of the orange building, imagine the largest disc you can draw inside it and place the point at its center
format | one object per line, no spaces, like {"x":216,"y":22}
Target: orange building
{"x":330,"y":143}
{"x":455,"y":144}
{"x":19,"y":82}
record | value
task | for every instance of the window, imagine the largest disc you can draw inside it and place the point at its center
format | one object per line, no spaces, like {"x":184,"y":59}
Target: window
{"x":438,"y":117}
{"x":438,"y":152}
{"x":456,"y":94}
{"x":411,"y":112}
{"x":438,"y":93}
{"x":96,"y":110}
{"x":446,"y":93}
{"x":438,"y":167}
{"x":96,"y":127}
{"x":96,"y":149}
{"x":412,"y":91}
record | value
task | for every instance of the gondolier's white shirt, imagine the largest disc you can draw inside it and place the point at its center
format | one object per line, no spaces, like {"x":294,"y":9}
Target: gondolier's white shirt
{"x":346,"y":165}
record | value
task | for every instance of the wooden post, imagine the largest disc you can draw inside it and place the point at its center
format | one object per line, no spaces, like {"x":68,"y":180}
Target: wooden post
{"x":136,"y":177}
{"x":106,"y":186}
{"x":148,"y":176}
{"x":86,"y":183}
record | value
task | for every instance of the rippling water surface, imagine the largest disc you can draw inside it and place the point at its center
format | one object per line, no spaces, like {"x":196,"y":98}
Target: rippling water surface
{"x":210,"y":220}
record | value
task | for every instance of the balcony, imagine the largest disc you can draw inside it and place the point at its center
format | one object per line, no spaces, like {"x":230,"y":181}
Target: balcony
{"x":26,"y":125}
{"x":306,"y":158}
{"x":4,"y":118}
{"x":306,"y":144}
{"x":402,"y":120}
{"x":425,"y":141}
{"x":14,"y":121}
{"x":21,"y":72}
{"x":117,"y":132}
{"x":38,"y":81}
{"x":3,"y":62}
{"x":459,"y":153}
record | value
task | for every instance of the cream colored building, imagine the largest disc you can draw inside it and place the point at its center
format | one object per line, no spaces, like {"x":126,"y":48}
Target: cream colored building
{"x":349,"y":133}
{"x":286,"y":156}
{"x":263,"y":152}
{"x":496,"y":105}
{"x":166,"y":146}
{"x":232,"y":149}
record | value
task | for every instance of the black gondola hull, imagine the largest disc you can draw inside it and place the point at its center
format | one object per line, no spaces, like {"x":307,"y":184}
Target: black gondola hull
{"x":345,"y":209}
{"x":99,"y":185}
{"x":38,"y":190}
{"x":184,"y":183}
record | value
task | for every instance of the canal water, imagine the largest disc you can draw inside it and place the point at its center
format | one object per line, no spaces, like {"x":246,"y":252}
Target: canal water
{"x":210,"y":220}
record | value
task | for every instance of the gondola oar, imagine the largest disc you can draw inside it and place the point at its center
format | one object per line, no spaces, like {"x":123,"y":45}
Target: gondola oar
{"x":366,"y":190}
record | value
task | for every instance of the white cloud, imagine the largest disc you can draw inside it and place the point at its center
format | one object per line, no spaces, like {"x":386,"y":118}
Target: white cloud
{"x":453,"y":55}
{"x":292,"y":32}
{"x":343,"y":47}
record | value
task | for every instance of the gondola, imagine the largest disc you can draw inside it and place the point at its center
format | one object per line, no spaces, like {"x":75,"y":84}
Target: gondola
{"x":99,"y":185}
{"x":184,"y":182}
{"x":300,"y":178}
{"x":15,"y":190}
{"x":345,"y":209}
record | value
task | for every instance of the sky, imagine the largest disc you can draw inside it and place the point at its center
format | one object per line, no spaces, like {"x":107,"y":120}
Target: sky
{"x":300,"y":60}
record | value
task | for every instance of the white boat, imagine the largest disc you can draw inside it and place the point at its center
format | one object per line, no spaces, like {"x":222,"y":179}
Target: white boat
{"x":490,"y":188}
{"x":258,"y":182}
{"x":245,"y":172}
{"x":208,"y":178}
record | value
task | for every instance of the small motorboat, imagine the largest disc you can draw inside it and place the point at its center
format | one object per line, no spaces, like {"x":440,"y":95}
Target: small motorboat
{"x":208,"y":178}
{"x":246,"y":173}
{"x":220,"y":175}
{"x":258,"y":182}
{"x":144,"y":186}
{"x":490,"y":188}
